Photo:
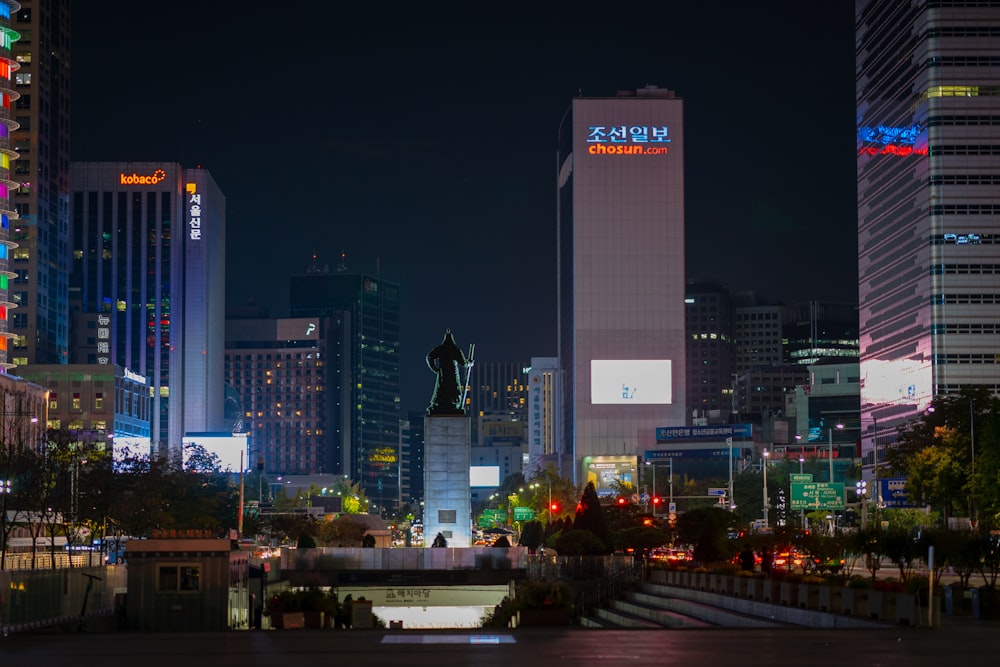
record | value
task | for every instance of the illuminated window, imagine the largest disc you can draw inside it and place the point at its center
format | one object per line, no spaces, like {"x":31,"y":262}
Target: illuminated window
{"x":98,"y":401}
{"x":76,"y":401}
{"x":22,"y":78}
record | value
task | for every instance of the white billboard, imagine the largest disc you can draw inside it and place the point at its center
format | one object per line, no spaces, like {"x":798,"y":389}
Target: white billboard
{"x":227,"y":447}
{"x":630,"y":382}
{"x":484,"y":476}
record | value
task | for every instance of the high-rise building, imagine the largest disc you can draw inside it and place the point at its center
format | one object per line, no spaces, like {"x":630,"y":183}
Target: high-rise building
{"x":711,"y":350}
{"x":757,"y":331}
{"x":621,"y":339}
{"x":816,"y":330}
{"x":928,"y":115}
{"x":147,"y":287}
{"x":498,"y":391}
{"x":362,"y":346}
{"x":279,"y":367}
{"x":39,"y":187}
{"x":543,"y":416}
{"x":412,"y":460}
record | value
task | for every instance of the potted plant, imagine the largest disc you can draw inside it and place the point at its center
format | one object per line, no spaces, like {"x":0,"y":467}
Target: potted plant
{"x":318,"y":608}
{"x":285,"y":610}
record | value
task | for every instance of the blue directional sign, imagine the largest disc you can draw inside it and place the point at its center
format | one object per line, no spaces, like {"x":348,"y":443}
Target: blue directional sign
{"x":892,"y":492}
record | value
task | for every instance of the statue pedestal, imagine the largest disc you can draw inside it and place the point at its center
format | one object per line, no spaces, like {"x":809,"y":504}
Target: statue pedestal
{"x":447,"y":494}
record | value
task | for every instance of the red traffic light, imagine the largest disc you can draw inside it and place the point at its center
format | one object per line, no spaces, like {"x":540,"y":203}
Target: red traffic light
{"x":657,"y":500}
{"x":622,"y":501}
{"x":554,"y":507}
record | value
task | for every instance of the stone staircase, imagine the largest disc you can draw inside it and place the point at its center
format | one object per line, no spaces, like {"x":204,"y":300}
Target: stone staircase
{"x":661,"y":606}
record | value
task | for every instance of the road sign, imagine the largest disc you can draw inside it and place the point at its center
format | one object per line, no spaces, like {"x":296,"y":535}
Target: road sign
{"x":817,"y":496}
{"x":716,"y":492}
{"x":644,"y":498}
{"x":672,"y":507}
{"x":497,"y":516}
{"x":799,"y":478}
{"x":523,"y":514}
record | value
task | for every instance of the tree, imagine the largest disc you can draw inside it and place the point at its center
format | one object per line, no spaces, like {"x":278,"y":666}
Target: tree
{"x":935,"y":453}
{"x":707,"y":529}
{"x":590,"y":517}
{"x":532,"y":534}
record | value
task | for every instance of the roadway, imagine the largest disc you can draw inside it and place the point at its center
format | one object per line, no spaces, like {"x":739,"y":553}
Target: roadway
{"x":968,"y":643}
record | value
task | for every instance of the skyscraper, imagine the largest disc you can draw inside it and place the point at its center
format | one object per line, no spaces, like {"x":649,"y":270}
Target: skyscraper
{"x":148,"y":287}
{"x":278,"y":367}
{"x":362,"y":344}
{"x":620,"y":180}
{"x":928,"y":115}
{"x":41,"y":193}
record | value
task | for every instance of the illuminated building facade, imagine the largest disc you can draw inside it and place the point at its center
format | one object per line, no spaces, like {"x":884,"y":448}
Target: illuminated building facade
{"x":148,"y":285}
{"x":362,"y":344}
{"x":621,"y":338}
{"x":928,"y":114}
{"x":498,"y":391}
{"x":8,"y":65}
{"x":544,"y":385}
{"x":278,"y":367}
{"x":41,"y":138}
{"x":102,"y":404}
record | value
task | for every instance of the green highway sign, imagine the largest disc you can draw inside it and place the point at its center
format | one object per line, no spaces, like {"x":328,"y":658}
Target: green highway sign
{"x":523,"y":514}
{"x":799,"y":478}
{"x":496,"y":516}
{"x":817,"y":496}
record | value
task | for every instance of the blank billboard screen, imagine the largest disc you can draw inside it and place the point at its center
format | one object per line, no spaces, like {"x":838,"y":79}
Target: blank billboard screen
{"x":484,"y":476}
{"x":630,"y":382}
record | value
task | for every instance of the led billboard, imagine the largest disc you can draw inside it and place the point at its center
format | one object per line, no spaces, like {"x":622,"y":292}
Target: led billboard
{"x":630,"y":382}
{"x":227,"y":447}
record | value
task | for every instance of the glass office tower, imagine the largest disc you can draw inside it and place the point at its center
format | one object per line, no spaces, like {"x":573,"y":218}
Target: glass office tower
{"x":928,"y":117}
{"x":147,"y":287}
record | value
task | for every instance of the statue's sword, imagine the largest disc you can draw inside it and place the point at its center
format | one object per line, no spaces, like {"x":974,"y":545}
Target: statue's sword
{"x":469,"y":363}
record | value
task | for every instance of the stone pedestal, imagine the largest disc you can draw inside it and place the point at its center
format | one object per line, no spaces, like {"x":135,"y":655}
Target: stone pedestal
{"x":447,"y":494}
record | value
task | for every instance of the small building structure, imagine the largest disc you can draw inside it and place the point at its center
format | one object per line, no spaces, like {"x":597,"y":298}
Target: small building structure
{"x":182,"y":581}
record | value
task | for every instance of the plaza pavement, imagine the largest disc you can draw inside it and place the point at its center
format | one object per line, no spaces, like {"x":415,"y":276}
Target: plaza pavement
{"x":959,"y":642}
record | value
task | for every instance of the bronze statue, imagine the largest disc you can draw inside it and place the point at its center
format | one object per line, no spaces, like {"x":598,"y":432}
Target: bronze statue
{"x":448,"y":362}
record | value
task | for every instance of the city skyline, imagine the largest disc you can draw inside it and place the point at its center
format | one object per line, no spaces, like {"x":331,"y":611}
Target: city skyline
{"x":424,"y":147}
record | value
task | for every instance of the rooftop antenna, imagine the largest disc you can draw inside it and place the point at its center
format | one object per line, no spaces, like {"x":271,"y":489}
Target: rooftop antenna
{"x":313,"y":269}
{"x":343,"y":262}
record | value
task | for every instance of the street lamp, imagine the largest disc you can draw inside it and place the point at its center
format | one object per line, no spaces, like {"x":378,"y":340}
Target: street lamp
{"x":802,"y":460}
{"x":838,"y":426}
{"x":5,"y":485}
{"x":766,"y":503}
{"x":861,"y":488}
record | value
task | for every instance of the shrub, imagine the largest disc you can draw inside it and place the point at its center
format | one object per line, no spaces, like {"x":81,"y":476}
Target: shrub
{"x":859,"y":582}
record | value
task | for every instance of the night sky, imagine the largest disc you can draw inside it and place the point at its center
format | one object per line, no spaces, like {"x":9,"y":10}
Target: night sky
{"x":422,"y":142}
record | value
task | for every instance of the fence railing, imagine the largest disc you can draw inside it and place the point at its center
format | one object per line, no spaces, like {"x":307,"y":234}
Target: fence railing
{"x":35,"y":599}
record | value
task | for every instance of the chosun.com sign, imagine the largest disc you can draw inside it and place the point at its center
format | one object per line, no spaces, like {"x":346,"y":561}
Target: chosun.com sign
{"x":140,"y":179}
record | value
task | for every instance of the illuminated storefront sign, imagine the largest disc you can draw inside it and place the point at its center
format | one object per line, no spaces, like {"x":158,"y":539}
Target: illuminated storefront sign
{"x":628,"y":140}
{"x":103,"y":339}
{"x":194,"y":211}
{"x":890,"y":140}
{"x":139,"y":179}
{"x":135,"y":377}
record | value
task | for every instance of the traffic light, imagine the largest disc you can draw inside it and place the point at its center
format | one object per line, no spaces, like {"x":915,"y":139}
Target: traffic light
{"x":554,"y":507}
{"x":657,"y":501}
{"x":622,"y":501}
